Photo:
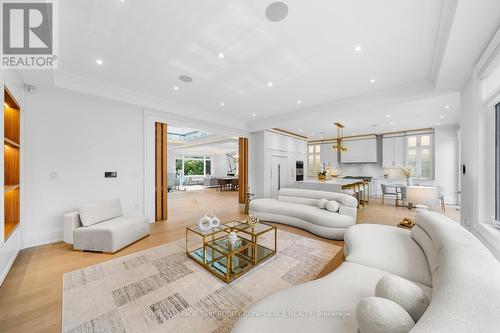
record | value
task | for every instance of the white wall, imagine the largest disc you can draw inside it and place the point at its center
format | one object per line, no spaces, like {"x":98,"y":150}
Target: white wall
{"x":446,"y":161}
{"x":70,"y":141}
{"x":219,"y":166}
{"x":477,"y":147}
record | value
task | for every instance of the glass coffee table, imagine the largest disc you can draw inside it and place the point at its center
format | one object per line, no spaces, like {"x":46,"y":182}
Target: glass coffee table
{"x":229,"y":261}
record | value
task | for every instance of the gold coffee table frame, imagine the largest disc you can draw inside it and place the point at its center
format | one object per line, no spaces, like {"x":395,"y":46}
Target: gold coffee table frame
{"x":229,"y":262}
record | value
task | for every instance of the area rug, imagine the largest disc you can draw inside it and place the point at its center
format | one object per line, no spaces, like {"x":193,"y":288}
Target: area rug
{"x":162,"y":290}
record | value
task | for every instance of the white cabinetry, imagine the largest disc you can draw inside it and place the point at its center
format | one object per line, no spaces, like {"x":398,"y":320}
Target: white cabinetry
{"x":360,"y":151}
{"x":273,"y":161}
{"x":394,"y":152}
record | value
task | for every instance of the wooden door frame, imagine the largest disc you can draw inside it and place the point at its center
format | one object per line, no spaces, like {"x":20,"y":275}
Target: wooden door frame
{"x":161,"y":172}
{"x":242,"y":169}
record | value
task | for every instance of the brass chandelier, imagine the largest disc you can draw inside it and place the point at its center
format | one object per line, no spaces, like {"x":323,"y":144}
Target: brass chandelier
{"x":340,"y":136}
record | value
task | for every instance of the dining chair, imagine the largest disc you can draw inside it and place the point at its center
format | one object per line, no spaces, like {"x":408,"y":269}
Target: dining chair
{"x":234,"y":184}
{"x":391,"y":191}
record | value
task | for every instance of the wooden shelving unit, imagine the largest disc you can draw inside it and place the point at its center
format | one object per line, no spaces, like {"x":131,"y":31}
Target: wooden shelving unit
{"x":12,"y":163}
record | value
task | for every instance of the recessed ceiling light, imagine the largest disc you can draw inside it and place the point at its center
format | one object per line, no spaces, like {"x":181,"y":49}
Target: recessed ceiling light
{"x":446,"y":106}
{"x":372,"y":80}
{"x":300,"y":130}
{"x":394,"y":128}
{"x":438,"y":123}
{"x":221,"y":55}
{"x":391,"y":123}
{"x":299,"y":102}
{"x":99,"y":61}
{"x":269,"y":84}
{"x":388,"y":115}
{"x":358,"y":48}
{"x":441,"y":116}
{"x":222,"y":104}
{"x":253,"y":114}
{"x":277,"y":11}
{"x":176,"y":88}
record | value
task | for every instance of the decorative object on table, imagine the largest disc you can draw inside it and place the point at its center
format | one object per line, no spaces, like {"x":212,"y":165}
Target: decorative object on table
{"x":406,"y":172}
{"x":205,"y":223}
{"x":252,"y":220}
{"x":232,"y":238}
{"x":322,"y":176}
{"x":248,"y":198}
{"x":215,"y":222}
{"x":340,"y":136}
{"x":406,"y":223}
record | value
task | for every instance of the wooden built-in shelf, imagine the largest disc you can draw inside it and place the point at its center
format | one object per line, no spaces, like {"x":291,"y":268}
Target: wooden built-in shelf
{"x":8,"y":188}
{"x":12,"y":164}
{"x":11,"y":143}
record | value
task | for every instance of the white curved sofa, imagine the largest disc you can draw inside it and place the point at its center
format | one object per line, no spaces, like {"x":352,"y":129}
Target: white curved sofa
{"x":299,"y":208}
{"x":460,"y":276}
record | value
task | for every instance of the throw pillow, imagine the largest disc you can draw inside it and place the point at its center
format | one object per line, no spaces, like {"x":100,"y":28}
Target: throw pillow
{"x":380,"y":315}
{"x":322,"y":203}
{"x":333,"y":206}
{"x":406,"y":293}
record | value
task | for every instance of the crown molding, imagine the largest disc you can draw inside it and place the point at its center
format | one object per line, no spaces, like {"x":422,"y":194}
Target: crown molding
{"x":90,"y":87}
{"x":448,"y":11}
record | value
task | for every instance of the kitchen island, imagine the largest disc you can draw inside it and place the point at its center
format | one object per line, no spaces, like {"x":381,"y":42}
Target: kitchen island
{"x":333,"y":185}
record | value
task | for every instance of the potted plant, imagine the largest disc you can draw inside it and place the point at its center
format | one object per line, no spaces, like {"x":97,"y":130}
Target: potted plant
{"x":406,"y":172}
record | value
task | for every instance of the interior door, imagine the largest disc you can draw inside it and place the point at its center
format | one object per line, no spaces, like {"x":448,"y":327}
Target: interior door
{"x":279,"y":174}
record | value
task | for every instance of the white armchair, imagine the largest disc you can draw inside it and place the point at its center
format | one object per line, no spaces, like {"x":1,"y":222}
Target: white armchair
{"x":102,"y":227}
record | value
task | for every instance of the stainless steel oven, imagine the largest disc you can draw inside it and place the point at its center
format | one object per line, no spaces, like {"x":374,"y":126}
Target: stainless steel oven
{"x":299,"y":170}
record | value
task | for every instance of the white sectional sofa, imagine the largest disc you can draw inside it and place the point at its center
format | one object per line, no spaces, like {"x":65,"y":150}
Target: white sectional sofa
{"x":102,"y":227}
{"x":459,"y":275}
{"x":299,"y":208}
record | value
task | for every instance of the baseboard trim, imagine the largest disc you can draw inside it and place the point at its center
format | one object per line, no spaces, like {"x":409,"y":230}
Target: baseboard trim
{"x":6,"y":271}
{"x":43,"y":238}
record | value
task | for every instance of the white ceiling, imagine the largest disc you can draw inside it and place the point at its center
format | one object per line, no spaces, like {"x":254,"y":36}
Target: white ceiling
{"x":309,"y":56}
{"x":146,"y":45}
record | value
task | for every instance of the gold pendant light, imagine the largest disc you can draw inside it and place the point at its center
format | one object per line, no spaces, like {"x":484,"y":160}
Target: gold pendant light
{"x":340,"y":136}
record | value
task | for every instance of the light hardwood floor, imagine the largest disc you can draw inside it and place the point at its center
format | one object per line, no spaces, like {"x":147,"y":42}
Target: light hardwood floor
{"x":30,"y":298}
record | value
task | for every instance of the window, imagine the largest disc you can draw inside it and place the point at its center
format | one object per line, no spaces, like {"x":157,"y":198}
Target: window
{"x":193,"y":166}
{"x":419,"y":155}
{"x":314,"y":160}
{"x":497,"y":162}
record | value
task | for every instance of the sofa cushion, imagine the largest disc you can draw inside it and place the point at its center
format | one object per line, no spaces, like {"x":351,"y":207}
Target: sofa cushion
{"x":322,"y":203}
{"x":344,"y":199}
{"x":111,"y":235}
{"x":311,"y":214}
{"x":339,"y":291}
{"x":381,"y":315}
{"x":387,"y":248}
{"x":425,"y":242}
{"x":100,"y":211}
{"x":405,"y":293}
{"x":332,"y":206}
